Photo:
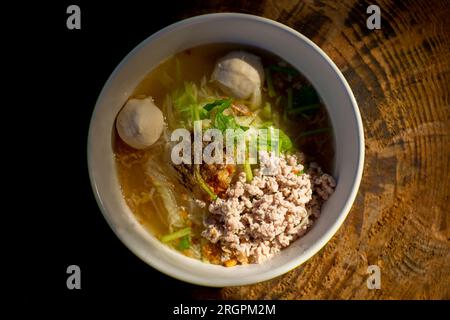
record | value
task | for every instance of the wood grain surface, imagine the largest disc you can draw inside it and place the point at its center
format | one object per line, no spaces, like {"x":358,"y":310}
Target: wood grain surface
{"x":400,"y":76}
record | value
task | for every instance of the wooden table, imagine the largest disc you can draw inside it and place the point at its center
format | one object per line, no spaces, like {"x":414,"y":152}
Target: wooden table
{"x":400,"y":76}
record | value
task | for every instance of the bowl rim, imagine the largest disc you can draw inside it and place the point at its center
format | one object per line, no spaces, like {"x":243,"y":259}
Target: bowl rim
{"x":316,"y":246}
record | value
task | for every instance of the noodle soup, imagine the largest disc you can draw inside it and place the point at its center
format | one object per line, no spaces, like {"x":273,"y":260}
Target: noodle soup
{"x":226,"y":214}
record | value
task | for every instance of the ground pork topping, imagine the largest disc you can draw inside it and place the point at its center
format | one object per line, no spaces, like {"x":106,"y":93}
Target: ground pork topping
{"x":255,"y":220}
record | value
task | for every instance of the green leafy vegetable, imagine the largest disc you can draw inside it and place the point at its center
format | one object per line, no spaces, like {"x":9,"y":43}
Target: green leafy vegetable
{"x":313,"y":132}
{"x":223,"y":103}
{"x":176,"y":235}
{"x":203,"y":114}
{"x":301,"y":110}
{"x":286,"y":70}
{"x":224,"y":122}
{"x":186,"y":96}
{"x":285,"y":141}
{"x":248,"y":171}
{"x":266,"y":141}
{"x":219,"y":119}
{"x":184,"y":243}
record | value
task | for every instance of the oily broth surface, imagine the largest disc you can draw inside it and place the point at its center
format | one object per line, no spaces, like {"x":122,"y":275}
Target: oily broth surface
{"x":194,"y":64}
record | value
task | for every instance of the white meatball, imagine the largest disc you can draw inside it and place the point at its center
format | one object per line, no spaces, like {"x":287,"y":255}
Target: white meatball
{"x":140,"y":123}
{"x":241,"y":75}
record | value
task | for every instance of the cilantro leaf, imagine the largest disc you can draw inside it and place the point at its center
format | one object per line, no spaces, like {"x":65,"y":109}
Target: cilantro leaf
{"x":184,"y":243}
{"x":223,"y":122}
{"x":214,"y":111}
{"x":266,"y":140}
{"x":223,"y":102}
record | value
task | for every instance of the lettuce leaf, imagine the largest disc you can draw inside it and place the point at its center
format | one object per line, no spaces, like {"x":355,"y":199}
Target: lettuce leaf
{"x":266,"y":141}
{"x":223,"y":103}
{"x":214,"y":111}
{"x":184,"y":243}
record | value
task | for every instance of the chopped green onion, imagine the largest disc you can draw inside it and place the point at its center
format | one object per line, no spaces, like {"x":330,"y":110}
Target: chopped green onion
{"x":248,"y":171}
{"x":286,"y":70}
{"x":303,"y":109}
{"x":203,"y":185}
{"x":185,"y":243}
{"x":222,"y":102}
{"x":270,"y":88}
{"x":176,"y":235}
{"x":219,"y":120}
{"x":313,"y":132}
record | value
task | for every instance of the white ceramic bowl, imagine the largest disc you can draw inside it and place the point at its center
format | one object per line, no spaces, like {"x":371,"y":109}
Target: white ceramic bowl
{"x":272,"y":36}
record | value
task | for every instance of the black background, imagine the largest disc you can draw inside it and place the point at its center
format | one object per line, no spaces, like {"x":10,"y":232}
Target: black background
{"x":66,"y":224}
